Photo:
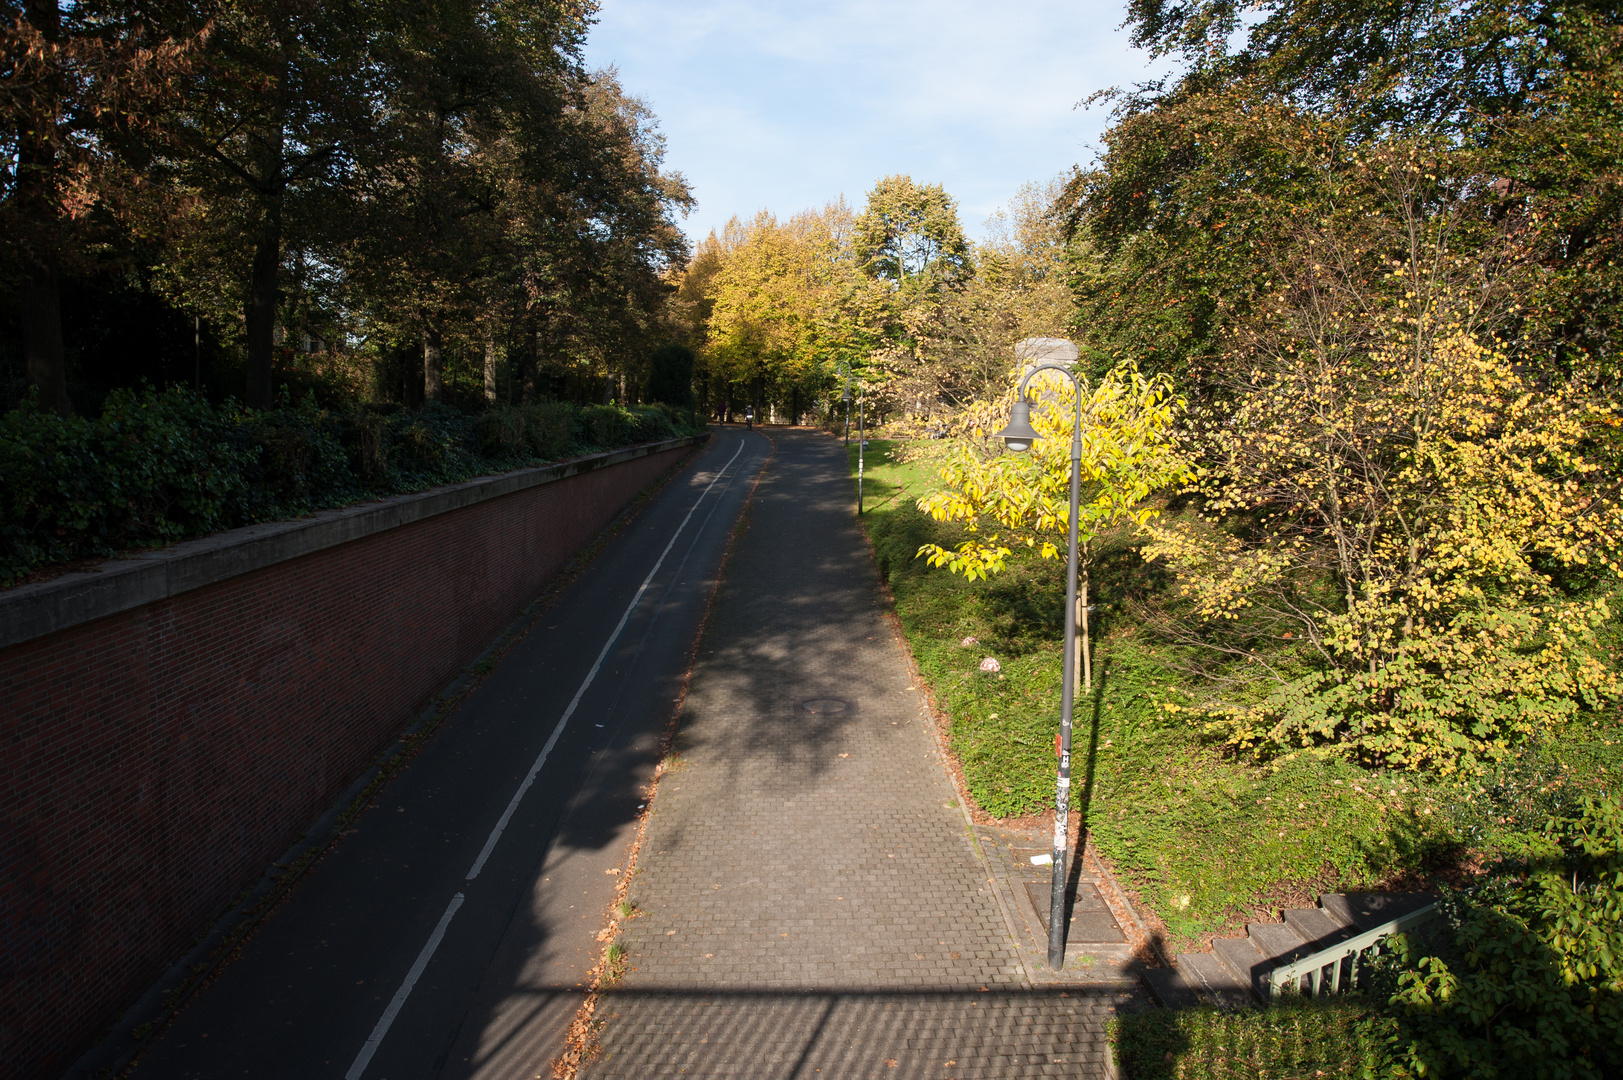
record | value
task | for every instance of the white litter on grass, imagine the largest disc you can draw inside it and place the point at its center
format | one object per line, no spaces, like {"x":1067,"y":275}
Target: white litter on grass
{"x":991,"y":664}
{"x":1042,"y":860}
{"x":970,"y":640}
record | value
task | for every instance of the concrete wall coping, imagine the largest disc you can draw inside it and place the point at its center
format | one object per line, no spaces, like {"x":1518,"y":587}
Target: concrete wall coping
{"x":119,"y":584}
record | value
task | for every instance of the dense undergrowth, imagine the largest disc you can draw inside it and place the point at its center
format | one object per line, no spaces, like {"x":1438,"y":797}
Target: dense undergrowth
{"x":1204,"y":836}
{"x":156,"y":467}
{"x":1524,"y":978}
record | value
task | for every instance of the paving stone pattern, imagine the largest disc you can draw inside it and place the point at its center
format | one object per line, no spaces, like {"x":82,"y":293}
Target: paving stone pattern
{"x":812,"y":901}
{"x":1001,"y":1033}
{"x":1105,"y":941}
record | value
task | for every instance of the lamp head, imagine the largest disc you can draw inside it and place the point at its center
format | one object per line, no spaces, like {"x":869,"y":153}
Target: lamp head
{"x":1019,"y":435}
{"x":846,"y":397}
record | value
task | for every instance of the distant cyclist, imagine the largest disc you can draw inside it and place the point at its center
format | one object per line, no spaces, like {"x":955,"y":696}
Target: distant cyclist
{"x":749,"y":419}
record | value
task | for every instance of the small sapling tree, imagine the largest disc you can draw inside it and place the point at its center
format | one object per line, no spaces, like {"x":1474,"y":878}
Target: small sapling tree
{"x":1006,"y":501}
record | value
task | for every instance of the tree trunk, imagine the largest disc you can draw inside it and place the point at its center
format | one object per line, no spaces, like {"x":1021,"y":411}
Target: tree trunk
{"x":433,"y":365}
{"x":264,"y":283}
{"x":35,"y":193}
{"x":490,"y":367}
{"x":530,"y":362}
{"x":263,"y":288}
{"x":41,"y":318}
{"x":1084,"y":644}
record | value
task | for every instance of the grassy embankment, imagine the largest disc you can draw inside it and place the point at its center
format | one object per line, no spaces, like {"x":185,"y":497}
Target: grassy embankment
{"x":1203,"y":838}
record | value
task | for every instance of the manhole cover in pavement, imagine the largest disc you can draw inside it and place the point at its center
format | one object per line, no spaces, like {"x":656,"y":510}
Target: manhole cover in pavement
{"x":826,"y":706}
{"x":1091,"y":920}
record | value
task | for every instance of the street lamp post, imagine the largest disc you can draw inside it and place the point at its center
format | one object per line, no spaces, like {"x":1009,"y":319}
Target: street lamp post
{"x":862,"y":442}
{"x":1018,"y":436}
{"x":846,"y":397}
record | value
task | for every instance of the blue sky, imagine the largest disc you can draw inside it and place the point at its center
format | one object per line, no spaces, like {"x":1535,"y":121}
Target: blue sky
{"x":788,"y":105}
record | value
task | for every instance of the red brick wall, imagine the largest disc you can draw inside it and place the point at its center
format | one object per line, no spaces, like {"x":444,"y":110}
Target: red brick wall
{"x":152,"y":763}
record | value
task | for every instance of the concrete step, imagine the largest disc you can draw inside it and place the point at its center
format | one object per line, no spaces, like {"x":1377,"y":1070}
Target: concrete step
{"x":1213,"y":980}
{"x":1235,"y":973}
{"x":1277,"y":942}
{"x":1242,"y":957}
{"x":1317,"y":928}
{"x":1367,"y":910}
{"x":1170,"y":989}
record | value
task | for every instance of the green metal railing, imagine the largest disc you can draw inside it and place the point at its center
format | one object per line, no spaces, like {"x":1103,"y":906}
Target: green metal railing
{"x":1349,"y":954}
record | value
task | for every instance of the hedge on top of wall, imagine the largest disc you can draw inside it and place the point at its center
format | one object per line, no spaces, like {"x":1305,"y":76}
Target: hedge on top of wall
{"x":156,"y":467}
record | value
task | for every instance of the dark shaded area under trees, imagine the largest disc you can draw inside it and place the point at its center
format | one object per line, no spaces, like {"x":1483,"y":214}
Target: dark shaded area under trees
{"x":366,"y":200}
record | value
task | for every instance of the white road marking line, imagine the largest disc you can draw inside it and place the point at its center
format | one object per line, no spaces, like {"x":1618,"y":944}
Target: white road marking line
{"x":387,"y":1019}
{"x":518,"y":796}
{"x":382,"y":1029}
{"x":659,"y":608}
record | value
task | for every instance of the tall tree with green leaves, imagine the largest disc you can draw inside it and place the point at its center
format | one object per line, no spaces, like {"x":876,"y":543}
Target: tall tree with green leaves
{"x":909,"y":238}
{"x":910,"y":230}
{"x":1428,"y":66}
{"x":1205,"y":174}
{"x":273,"y":121}
{"x":1378,"y":245}
{"x":1019,"y":289}
{"x":764,"y":322}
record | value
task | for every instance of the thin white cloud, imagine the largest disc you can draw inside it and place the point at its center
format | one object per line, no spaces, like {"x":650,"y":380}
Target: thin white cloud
{"x":785,"y":106}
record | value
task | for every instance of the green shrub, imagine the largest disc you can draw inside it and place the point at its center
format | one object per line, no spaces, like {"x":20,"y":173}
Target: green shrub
{"x":1293,"y":1039}
{"x":611,"y":425}
{"x":549,"y":428}
{"x":604,"y":425}
{"x":435,"y":444}
{"x":651,"y":423}
{"x":156,"y":467}
{"x":683,"y":420}
{"x":169,"y":463}
{"x":301,"y":464}
{"x":367,"y":447}
{"x":1529,"y":982}
{"x":152,"y":468}
{"x":501,"y":432}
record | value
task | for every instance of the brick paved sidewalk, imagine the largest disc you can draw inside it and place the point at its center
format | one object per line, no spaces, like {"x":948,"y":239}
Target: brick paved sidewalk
{"x":813,"y":902}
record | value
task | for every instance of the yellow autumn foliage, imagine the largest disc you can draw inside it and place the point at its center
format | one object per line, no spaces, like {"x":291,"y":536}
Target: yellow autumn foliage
{"x":1024,"y":499}
{"x":1408,"y":511}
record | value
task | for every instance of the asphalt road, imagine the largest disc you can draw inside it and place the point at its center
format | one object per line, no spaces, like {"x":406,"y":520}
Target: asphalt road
{"x":448,"y":933}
